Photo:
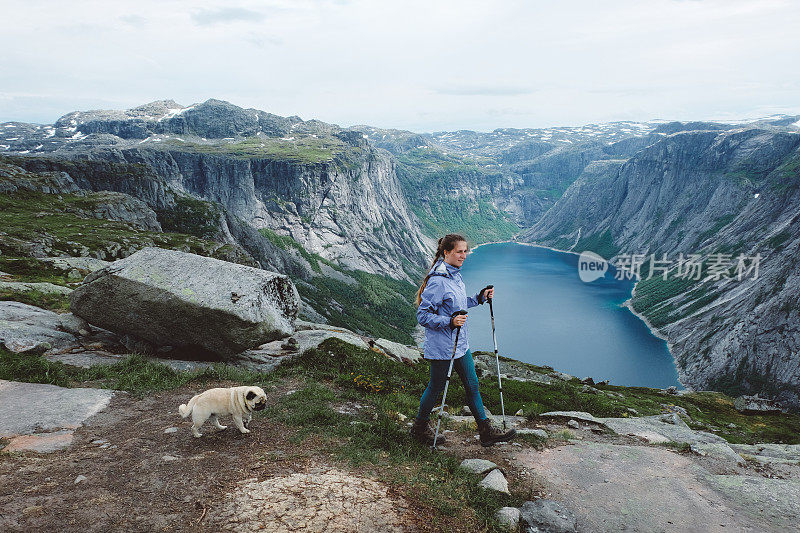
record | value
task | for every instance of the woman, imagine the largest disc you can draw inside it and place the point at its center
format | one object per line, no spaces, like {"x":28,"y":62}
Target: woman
{"x":441,"y":294}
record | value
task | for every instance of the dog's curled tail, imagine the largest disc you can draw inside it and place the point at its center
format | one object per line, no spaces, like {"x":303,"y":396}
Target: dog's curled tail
{"x":185,"y":410}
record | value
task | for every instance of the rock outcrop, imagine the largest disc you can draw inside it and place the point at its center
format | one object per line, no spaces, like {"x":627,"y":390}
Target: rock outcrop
{"x":171,"y":298}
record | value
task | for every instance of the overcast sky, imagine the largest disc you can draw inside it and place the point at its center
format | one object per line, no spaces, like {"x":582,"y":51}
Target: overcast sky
{"x":424,"y":66}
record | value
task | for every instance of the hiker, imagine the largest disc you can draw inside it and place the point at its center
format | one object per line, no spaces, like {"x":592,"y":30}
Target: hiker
{"x":441,"y":294}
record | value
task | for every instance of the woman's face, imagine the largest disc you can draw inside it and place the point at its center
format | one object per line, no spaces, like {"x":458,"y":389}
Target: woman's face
{"x":457,"y":255}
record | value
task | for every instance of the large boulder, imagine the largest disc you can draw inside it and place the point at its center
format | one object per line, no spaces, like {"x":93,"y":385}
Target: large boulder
{"x":171,"y":298}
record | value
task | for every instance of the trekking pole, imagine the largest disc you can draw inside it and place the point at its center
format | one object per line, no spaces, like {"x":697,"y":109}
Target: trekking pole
{"x":449,"y":371}
{"x":496,"y":358}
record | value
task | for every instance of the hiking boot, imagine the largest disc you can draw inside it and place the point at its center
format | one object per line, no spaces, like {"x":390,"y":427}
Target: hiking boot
{"x":422,"y":432}
{"x":490,"y":434}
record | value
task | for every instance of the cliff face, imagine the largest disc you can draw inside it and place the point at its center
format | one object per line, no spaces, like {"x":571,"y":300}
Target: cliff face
{"x":325,"y":187}
{"x":703,"y":192}
{"x":352,"y":213}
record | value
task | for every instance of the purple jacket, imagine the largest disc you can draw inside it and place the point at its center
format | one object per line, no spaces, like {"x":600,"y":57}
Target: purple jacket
{"x":443,"y":295}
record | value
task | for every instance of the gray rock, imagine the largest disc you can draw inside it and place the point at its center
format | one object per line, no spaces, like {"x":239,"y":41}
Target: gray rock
{"x":655,"y":429}
{"x":719,"y":451}
{"x":573,"y":424}
{"x":770,"y":453}
{"x":171,"y":430}
{"x":547,"y":516}
{"x":311,"y":338}
{"x":84,"y":265}
{"x":542,"y":434}
{"x":24,"y":328}
{"x":42,"y":417}
{"x":477,"y":466}
{"x":266,"y":357}
{"x":43,"y":287}
{"x":508,"y":518}
{"x":672,"y":390}
{"x":179,"y":299}
{"x":561,"y":375}
{"x":74,"y":324}
{"x":79,"y":479}
{"x":404,"y":354}
{"x":577,"y":415}
{"x":495,"y":480}
{"x":755,"y":405}
{"x":305,"y":324}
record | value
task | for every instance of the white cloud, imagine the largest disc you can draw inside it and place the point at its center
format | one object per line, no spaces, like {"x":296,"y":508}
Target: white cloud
{"x":417,"y":65}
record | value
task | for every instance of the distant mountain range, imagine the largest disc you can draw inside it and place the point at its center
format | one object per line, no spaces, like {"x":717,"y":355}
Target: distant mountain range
{"x":374,"y":199}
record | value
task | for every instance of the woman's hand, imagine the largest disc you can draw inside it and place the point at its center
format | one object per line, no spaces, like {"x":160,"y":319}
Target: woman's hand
{"x":489,"y":293}
{"x":458,"y":320}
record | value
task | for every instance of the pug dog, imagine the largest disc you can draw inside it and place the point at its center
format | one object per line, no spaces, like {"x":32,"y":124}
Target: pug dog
{"x":237,"y":401}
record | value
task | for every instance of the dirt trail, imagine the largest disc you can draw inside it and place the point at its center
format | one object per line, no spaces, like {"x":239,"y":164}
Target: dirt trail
{"x":139,"y":478}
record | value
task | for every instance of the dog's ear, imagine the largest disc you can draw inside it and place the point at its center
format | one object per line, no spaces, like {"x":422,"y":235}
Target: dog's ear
{"x":251,"y":395}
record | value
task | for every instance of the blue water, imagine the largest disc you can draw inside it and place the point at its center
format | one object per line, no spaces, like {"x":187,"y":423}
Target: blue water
{"x":545,"y":315}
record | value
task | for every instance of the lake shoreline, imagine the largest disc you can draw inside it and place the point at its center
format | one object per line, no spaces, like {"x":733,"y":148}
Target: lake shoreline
{"x":627,"y":303}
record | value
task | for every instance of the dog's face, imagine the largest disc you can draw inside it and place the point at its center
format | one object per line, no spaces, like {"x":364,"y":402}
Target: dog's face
{"x":255,"y":398}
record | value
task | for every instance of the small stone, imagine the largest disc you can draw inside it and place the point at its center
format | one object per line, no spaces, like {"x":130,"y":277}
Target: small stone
{"x":169,"y":458}
{"x":79,"y":479}
{"x":633,"y":411}
{"x":508,"y":518}
{"x":495,"y":480}
{"x":573,"y":424}
{"x":548,"y":515}
{"x":542,"y":434}
{"x":477,"y":466}
{"x":731,"y":426}
{"x":171,"y":430}
{"x":755,"y":405}
{"x":519,"y":413}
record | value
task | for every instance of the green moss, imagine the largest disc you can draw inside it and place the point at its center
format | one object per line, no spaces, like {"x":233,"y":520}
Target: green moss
{"x":304,"y":150}
{"x":27,"y":216}
{"x":191,"y":216}
{"x":50,"y":301}
{"x":30,"y":269}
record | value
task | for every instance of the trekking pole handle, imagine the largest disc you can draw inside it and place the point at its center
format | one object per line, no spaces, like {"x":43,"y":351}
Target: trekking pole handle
{"x":457,"y":313}
{"x":486,"y":288}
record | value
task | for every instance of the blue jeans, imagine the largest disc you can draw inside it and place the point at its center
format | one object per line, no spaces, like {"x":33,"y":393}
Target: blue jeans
{"x":465,"y":367}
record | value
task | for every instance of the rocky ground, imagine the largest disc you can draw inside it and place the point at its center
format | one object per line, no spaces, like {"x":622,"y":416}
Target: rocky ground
{"x":131,"y":463}
{"x":134,"y":466}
